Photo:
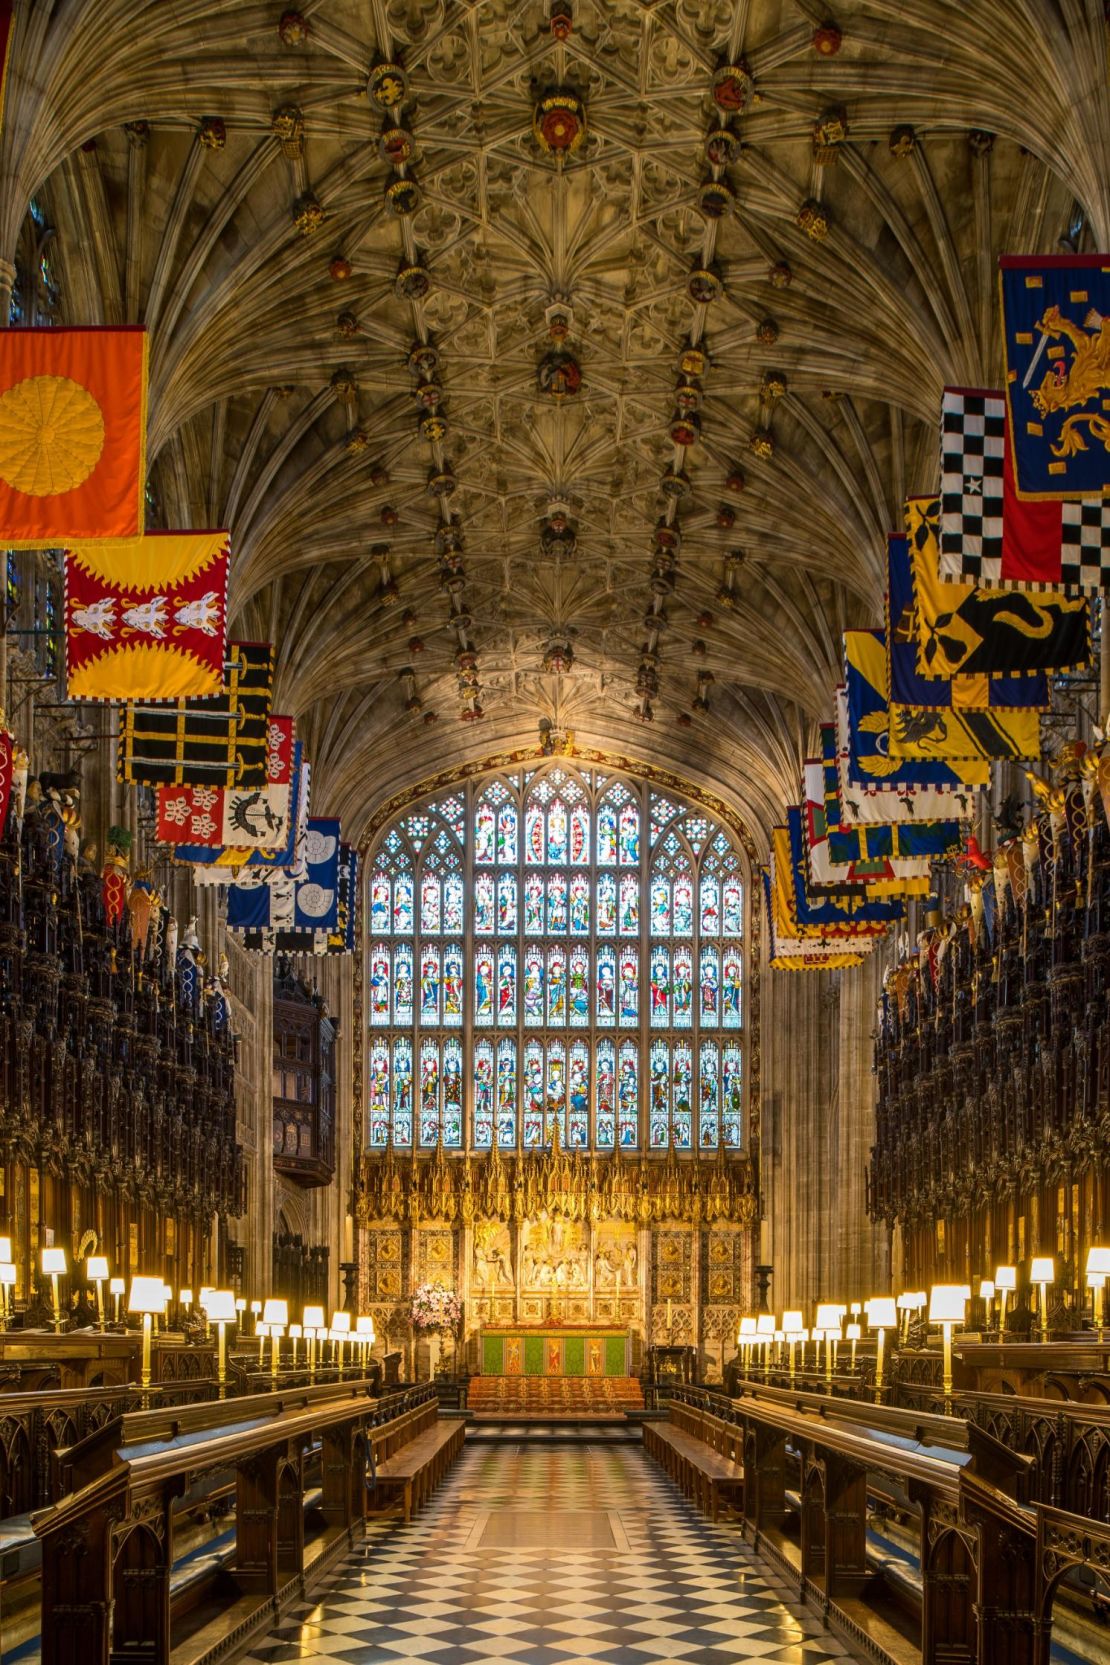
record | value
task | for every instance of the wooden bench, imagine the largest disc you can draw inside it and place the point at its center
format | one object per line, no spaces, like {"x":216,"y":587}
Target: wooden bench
{"x":703,"y":1474}
{"x":417,"y":1467}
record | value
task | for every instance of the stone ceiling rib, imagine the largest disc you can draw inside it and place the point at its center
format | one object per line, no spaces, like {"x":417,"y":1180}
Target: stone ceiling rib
{"x":264,"y":259}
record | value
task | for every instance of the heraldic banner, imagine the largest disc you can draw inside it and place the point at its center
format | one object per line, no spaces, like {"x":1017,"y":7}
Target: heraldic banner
{"x":146,"y":619}
{"x":220,"y":742}
{"x":1056,"y":335}
{"x":72,"y":435}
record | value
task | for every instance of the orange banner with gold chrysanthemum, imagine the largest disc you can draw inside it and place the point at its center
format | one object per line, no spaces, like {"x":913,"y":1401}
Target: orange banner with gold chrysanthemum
{"x":72,"y":435}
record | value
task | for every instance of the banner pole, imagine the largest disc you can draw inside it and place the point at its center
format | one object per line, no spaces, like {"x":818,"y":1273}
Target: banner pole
{"x":1104,"y":661}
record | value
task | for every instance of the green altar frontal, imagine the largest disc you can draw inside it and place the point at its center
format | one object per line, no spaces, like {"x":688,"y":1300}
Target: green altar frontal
{"x":554,"y":1352}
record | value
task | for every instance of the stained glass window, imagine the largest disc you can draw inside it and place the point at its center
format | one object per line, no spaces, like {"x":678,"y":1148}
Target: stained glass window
{"x":453,"y":985}
{"x":709,"y":1102}
{"x":506,"y":834}
{"x":509,"y":926}
{"x":733,"y":1096}
{"x":556,"y":1092}
{"x":453,"y":903}
{"x":557,"y":902}
{"x":556,"y":987}
{"x":402,"y":905}
{"x":629,"y":988}
{"x":379,"y":902}
{"x":607,"y":834}
{"x":630,"y":836}
{"x":659,"y":1103}
{"x":506,"y":903}
{"x":430,"y":899}
{"x":660,"y":906}
{"x":682,"y":1090}
{"x":630,"y":906}
{"x":483,"y":904}
{"x":557,"y":831}
{"x":578,"y":989}
{"x":710,"y":988}
{"x":732,"y":989}
{"x":429,"y":986}
{"x":429,"y":1093}
{"x":605,"y":1115}
{"x":606,"y":1011}
{"x":579,"y":835}
{"x":484,"y":825}
{"x":533,"y":835}
{"x":402,"y":1093}
{"x":402,"y":983}
{"x":606,"y":905}
{"x":483,"y":1096}
{"x":452,"y":1094}
{"x":533,"y":988}
{"x":533,"y":1094}
{"x":506,"y":985}
{"x":506,"y":1094}
{"x":682,"y":988}
{"x":629,"y":1096}
{"x":578,"y":1096}
{"x":378,"y":1093}
{"x":682,"y":917}
{"x":379,"y":986}
{"x":710,"y":906}
{"x":483,"y":987}
{"x":660,"y":989}
{"x":533,"y":905}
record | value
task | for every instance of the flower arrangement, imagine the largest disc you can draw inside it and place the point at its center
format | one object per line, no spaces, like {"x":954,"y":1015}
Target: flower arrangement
{"x":435,"y":1307}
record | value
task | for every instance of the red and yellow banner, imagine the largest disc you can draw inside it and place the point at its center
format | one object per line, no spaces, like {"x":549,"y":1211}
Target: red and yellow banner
{"x":146,"y":619}
{"x":72,"y":435}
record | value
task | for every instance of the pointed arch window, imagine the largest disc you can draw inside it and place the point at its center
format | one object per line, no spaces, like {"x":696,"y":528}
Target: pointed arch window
{"x":555,"y":950}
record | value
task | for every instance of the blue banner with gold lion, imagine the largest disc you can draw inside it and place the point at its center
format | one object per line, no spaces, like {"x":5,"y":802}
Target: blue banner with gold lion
{"x":1056,"y":332}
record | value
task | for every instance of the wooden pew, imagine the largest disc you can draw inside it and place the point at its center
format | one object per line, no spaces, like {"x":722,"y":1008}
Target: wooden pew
{"x":701,"y":1453}
{"x":416,"y":1464}
{"x":107,"y":1545}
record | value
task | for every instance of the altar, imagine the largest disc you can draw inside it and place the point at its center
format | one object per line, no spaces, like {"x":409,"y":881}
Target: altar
{"x":578,"y":1350}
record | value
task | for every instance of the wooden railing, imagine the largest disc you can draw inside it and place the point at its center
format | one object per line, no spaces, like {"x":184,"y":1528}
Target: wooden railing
{"x":990,"y":1566}
{"x":108,"y":1543}
{"x":1067,"y":1442}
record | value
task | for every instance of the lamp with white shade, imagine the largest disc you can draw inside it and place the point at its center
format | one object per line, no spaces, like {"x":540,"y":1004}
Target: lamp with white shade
{"x":219,"y":1308}
{"x":793,"y":1328}
{"x":765,"y":1334}
{"x":1042,"y":1272}
{"x":882,"y":1315}
{"x":1005,"y":1281}
{"x":96,"y":1270}
{"x":148,"y":1299}
{"x":312,"y":1320}
{"x":54,"y":1267}
{"x":275,"y":1316}
{"x":1098,"y":1269}
{"x":947,"y":1307}
{"x":7,"y":1290}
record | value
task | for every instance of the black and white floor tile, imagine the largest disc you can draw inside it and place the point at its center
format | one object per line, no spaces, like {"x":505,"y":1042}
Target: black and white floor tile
{"x":552,"y":1556}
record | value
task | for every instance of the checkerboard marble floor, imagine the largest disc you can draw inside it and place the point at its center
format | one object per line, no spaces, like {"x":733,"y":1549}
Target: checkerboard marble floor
{"x":590,"y":1555}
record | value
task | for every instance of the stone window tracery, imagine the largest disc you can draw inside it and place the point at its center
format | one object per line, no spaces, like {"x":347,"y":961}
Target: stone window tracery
{"x":561,"y":949}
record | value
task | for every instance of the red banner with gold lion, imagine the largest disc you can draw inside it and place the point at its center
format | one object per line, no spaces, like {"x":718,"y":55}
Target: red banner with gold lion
{"x":72,"y":435}
{"x":146,"y":619}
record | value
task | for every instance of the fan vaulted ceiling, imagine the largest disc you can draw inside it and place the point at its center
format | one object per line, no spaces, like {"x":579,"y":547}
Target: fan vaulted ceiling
{"x":235,"y":175}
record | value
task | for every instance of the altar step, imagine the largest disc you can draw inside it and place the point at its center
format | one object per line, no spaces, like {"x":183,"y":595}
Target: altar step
{"x":553,"y":1430}
{"x":553,"y":1396}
